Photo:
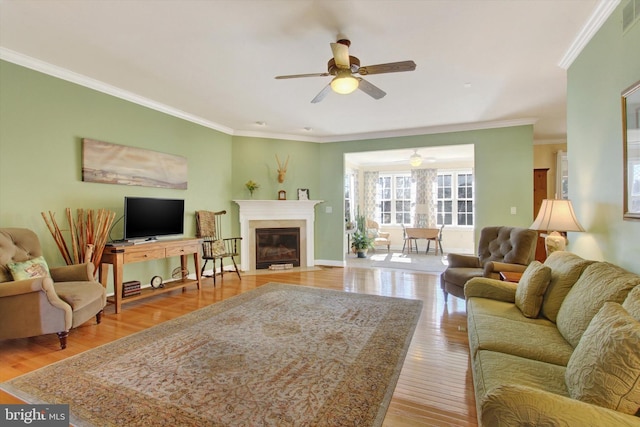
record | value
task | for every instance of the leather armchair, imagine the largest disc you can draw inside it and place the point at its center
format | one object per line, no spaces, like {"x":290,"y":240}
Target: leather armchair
{"x":380,"y":238}
{"x":44,"y":305}
{"x":499,"y":249}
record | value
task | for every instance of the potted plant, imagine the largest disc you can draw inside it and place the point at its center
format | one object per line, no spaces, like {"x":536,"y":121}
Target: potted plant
{"x":361,"y":243}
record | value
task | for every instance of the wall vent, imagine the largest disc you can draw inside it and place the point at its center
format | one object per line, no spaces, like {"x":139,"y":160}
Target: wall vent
{"x":630,"y":14}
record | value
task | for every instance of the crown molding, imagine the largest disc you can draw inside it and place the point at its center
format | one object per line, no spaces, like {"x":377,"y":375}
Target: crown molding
{"x":70,"y":76}
{"x":600,"y":14}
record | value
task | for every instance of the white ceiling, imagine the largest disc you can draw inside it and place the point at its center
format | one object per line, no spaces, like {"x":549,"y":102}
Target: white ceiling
{"x":214,"y":62}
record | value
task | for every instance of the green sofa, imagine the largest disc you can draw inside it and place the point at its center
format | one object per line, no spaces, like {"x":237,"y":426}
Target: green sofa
{"x":572,"y":360}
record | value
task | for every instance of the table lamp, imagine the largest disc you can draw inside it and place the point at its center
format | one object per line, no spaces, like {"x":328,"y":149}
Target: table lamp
{"x":556,"y":215}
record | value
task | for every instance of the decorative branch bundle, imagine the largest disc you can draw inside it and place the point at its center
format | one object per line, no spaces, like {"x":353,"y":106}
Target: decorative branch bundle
{"x":88,"y":235}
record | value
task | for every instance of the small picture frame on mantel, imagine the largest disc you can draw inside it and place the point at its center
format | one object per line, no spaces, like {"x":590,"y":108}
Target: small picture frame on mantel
{"x":282,"y":195}
{"x":303,"y":194}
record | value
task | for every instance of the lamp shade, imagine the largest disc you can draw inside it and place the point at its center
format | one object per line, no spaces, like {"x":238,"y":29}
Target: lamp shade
{"x":556,"y":215}
{"x":422,"y":208}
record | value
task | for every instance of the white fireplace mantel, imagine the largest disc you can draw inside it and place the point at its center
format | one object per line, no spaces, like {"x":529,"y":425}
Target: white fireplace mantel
{"x":275,"y":210}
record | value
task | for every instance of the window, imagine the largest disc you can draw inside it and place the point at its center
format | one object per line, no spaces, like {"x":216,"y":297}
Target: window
{"x":455,"y":198}
{"x":394,"y":199}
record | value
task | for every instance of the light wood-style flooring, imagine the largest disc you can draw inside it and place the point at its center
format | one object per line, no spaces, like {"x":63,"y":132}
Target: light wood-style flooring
{"x":435,"y":387}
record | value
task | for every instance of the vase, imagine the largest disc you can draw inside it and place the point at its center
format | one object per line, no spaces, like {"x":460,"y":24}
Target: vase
{"x":362,"y":253}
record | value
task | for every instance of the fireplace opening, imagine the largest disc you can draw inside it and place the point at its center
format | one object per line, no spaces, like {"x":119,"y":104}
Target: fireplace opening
{"x":277,"y":246}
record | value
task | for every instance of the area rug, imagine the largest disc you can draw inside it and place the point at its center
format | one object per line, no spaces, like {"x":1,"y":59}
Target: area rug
{"x":279,"y":355}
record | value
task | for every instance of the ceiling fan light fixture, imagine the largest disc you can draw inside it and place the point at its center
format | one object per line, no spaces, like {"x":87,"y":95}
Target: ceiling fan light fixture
{"x":344,"y":83}
{"x":416,"y":159}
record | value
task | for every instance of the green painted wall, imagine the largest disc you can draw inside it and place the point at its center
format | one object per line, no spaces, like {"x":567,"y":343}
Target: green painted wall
{"x":503,"y":173}
{"x":504,"y":170}
{"x":42,"y":122}
{"x":43,"y":119}
{"x":607,"y":65}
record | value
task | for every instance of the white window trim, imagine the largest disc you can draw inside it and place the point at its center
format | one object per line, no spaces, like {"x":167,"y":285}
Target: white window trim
{"x":454,"y":187}
{"x":393,"y":175}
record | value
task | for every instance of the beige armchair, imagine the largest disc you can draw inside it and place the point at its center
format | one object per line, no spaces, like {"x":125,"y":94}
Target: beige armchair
{"x":499,"y":249}
{"x":380,"y":238}
{"x":66,"y":298}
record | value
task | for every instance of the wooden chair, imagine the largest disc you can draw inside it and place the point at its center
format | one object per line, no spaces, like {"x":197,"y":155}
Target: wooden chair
{"x":413,"y":242}
{"x":214,"y":246}
{"x":437,"y":240}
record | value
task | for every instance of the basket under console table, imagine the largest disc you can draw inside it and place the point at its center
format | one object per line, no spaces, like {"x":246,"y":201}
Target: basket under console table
{"x":119,"y":255}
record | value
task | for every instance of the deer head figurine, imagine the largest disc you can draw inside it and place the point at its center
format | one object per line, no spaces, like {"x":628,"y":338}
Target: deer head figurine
{"x":282,"y":170}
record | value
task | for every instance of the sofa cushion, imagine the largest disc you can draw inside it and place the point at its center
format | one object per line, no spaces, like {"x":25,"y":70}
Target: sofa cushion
{"x":566,"y":268}
{"x":35,"y":267}
{"x":528,"y":338}
{"x":600,"y":282}
{"x":605,"y":367}
{"x":516,"y":405}
{"x":531,"y":288}
{"x":632,"y":303}
{"x":494,"y":369}
{"x":501,"y":309}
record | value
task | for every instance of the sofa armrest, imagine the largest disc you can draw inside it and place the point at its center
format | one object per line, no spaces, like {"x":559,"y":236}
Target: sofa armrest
{"x":73,"y":273}
{"x":38,"y":284}
{"x":511,"y":405}
{"x":496,"y":267}
{"x":32,"y":307}
{"x":460,"y":260}
{"x":483,"y":287}
{"x":20,"y":287}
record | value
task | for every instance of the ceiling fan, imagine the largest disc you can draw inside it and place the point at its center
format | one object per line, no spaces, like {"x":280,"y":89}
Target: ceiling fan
{"x":343,"y":66}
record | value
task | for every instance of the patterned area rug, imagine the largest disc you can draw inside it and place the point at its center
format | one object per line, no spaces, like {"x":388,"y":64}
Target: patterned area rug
{"x":280,"y":355}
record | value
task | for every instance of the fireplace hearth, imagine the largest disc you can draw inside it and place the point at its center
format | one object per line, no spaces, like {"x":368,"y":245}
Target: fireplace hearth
{"x":256,"y":214}
{"x":277,"y":246}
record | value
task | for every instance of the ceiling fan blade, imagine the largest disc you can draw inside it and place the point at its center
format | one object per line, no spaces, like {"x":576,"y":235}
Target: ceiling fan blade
{"x":323,"y":93}
{"x":391,"y":67}
{"x":341,"y":55}
{"x":371,"y":90}
{"x":295,"y":76}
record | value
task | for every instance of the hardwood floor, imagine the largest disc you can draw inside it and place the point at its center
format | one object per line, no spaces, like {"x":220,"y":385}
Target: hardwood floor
{"x":435,"y":386}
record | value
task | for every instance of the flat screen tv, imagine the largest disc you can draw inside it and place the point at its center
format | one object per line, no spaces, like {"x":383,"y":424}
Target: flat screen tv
{"x":150,"y":218}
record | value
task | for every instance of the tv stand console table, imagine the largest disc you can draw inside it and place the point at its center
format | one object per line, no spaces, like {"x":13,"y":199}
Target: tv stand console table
{"x":118,"y":255}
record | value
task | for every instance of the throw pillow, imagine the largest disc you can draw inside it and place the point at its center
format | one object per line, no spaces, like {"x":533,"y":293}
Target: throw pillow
{"x":566,"y":268}
{"x":604,"y":369}
{"x":600,"y":282}
{"x":632,"y":303}
{"x":531,"y":288}
{"x":35,"y":267}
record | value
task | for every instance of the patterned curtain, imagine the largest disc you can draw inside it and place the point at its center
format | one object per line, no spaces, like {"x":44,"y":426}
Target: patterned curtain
{"x":426,"y":187}
{"x":370,"y":192}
